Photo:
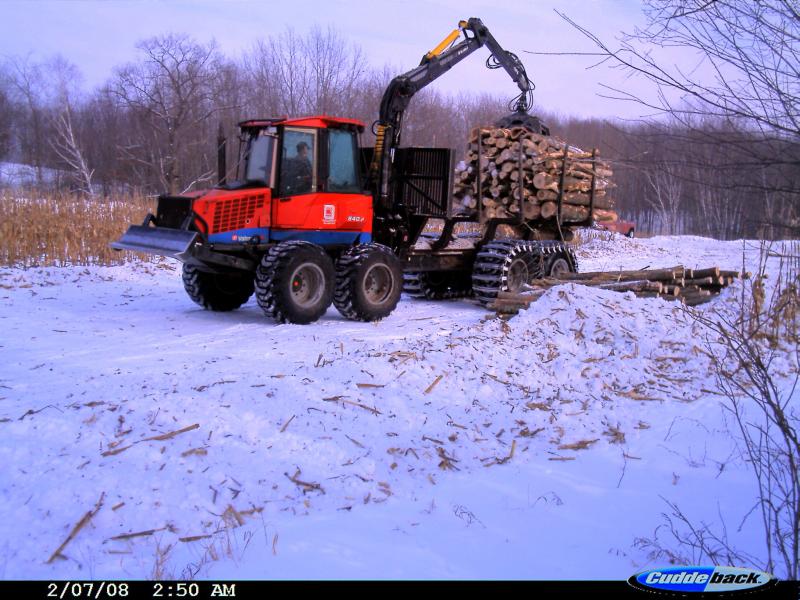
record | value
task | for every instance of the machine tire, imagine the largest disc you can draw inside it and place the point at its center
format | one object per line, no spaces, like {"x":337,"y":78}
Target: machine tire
{"x":217,"y":291}
{"x":437,"y":285}
{"x":630,"y":233}
{"x":506,"y":265}
{"x":294,"y":282}
{"x":369,"y":281}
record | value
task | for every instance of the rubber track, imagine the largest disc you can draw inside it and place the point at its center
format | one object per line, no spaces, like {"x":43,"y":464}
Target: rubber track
{"x":412,"y":285}
{"x":490,"y":271}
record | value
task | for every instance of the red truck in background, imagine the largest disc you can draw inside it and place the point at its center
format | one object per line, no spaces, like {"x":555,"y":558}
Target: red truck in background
{"x":626,"y":228}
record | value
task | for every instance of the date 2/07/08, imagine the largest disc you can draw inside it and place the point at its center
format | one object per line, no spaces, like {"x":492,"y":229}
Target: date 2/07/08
{"x":133,"y":590}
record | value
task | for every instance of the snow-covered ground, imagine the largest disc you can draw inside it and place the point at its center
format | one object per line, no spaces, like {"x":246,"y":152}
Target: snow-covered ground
{"x":441,"y":442}
{"x":22,"y":175}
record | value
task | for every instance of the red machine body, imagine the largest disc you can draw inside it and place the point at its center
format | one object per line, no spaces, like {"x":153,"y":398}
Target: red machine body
{"x":275,"y":212}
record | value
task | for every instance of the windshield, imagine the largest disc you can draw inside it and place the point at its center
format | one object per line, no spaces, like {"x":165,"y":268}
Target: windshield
{"x":260,"y":158}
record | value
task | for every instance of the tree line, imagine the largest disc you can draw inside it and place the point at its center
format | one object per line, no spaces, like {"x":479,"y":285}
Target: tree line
{"x":152,"y":127}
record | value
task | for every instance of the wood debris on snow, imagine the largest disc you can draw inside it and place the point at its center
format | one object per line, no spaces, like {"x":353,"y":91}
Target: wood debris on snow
{"x":145,"y":533}
{"x":77,"y":528}
{"x":435,"y":382}
{"x":579,"y":445}
{"x":306,"y":486}
{"x":171,"y":434}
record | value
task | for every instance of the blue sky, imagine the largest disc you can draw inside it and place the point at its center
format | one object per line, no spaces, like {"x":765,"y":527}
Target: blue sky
{"x":98,"y":35}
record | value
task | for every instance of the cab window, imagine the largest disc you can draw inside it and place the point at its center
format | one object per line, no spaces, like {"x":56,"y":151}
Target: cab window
{"x":342,"y":163}
{"x":298,"y":175}
{"x":260,"y":158}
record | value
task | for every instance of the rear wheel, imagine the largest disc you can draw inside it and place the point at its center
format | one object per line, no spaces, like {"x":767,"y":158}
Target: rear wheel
{"x":556,"y":264}
{"x":369,"y":280}
{"x":217,"y":291}
{"x":294,"y":282}
{"x":630,"y":232}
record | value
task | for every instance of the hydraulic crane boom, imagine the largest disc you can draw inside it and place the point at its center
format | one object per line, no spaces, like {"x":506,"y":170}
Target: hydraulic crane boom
{"x":433,"y":65}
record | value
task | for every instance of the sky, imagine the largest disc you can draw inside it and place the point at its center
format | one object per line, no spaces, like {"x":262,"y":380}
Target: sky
{"x":101,"y":34}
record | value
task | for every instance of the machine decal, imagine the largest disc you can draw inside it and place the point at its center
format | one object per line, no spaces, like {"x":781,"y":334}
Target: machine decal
{"x":329,"y":214}
{"x":259,"y":235}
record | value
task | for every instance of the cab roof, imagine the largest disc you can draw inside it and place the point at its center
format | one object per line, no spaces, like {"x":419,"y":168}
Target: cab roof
{"x":318,"y":121}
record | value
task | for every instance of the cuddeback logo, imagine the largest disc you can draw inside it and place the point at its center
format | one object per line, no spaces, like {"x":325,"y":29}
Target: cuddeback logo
{"x":708,"y":580}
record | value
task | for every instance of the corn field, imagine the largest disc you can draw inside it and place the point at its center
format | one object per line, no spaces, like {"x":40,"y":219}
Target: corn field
{"x":59,"y":230}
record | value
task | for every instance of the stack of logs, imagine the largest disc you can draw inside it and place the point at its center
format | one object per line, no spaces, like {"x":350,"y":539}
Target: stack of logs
{"x":690,"y":286}
{"x":516,"y":167}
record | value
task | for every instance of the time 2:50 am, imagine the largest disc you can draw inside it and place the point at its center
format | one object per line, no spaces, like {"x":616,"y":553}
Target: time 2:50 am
{"x":192,"y":590}
{"x":177,"y":590}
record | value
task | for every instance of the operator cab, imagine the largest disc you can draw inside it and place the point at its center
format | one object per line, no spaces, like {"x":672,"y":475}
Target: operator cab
{"x":294,"y":157}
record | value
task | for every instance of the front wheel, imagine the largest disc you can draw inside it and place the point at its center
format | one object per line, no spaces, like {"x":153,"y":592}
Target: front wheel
{"x":630,"y":233}
{"x":369,"y":281}
{"x":294,"y":282}
{"x":217,"y":291}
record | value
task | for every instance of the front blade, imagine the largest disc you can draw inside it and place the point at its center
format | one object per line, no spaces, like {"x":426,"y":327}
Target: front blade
{"x":161,"y":241}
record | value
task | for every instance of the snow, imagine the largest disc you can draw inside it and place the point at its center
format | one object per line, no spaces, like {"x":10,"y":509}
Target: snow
{"x":21,"y":175}
{"x":439,"y":443}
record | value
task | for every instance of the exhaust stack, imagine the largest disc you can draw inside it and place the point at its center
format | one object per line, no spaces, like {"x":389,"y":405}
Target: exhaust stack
{"x":222,"y":168}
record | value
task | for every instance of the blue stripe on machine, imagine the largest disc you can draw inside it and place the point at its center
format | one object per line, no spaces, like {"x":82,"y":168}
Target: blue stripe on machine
{"x":240,"y":236}
{"x":323,"y":238}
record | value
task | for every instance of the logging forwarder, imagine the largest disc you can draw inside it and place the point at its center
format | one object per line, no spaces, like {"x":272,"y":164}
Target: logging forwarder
{"x":344,"y":227}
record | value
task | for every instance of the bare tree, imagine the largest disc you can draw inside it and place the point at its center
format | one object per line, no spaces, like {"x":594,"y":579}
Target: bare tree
{"x":64,"y":83}
{"x":66,"y":145}
{"x":171,"y":90}
{"x":103,"y":124}
{"x":280,"y":63}
{"x":263,"y":92}
{"x":732,"y":78}
{"x":335,"y":70}
{"x":6,"y":119}
{"x":739,"y":107}
{"x":316,"y":73}
{"x":764,"y":332}
{"x":745,"y":341}
{"x":666,"y":195}
{"x":751,"y":49}
{"x":27,"y":84}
